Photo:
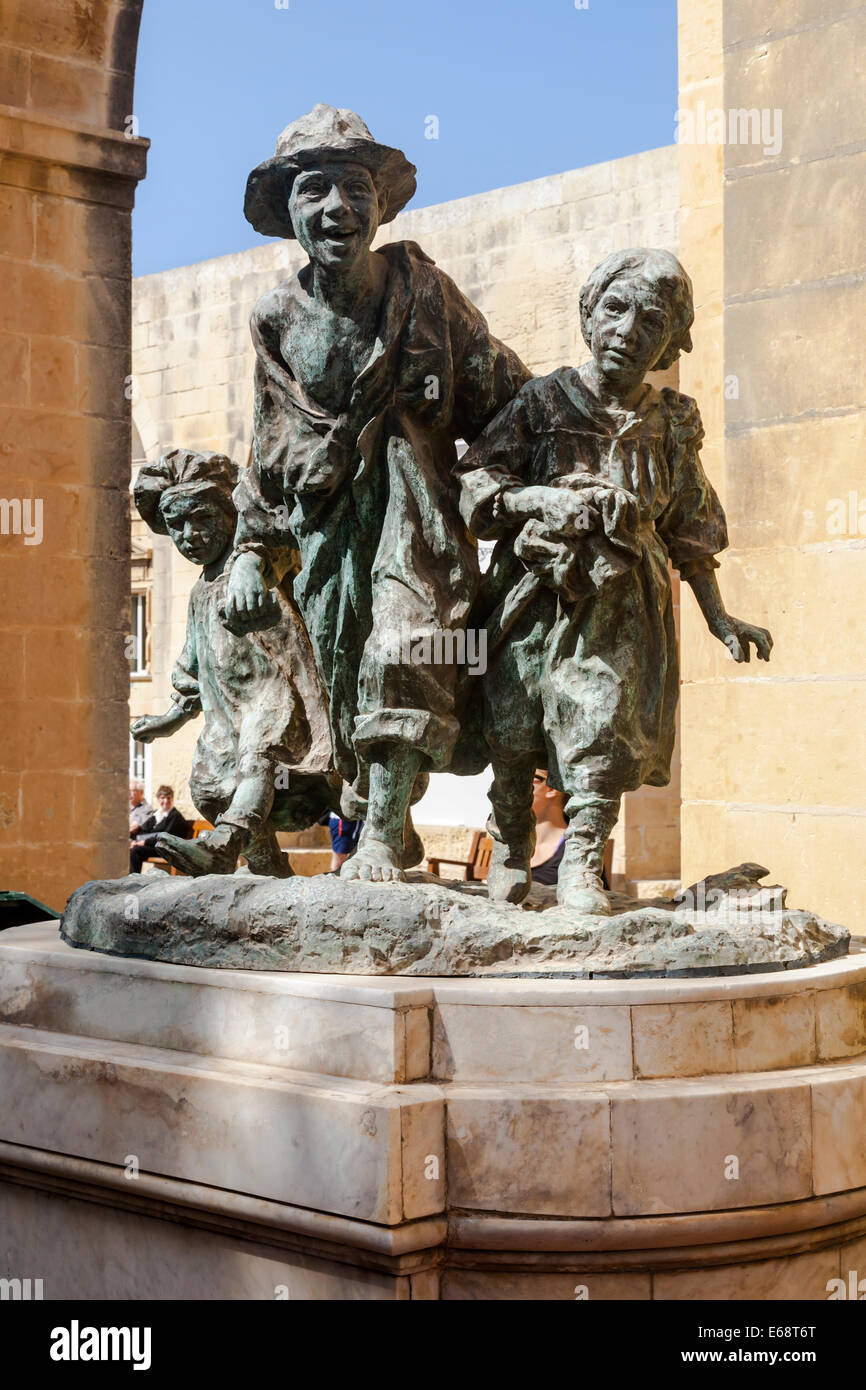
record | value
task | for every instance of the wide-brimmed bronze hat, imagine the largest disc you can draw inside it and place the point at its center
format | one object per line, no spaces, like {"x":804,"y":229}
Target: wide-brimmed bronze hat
{"x":324,"y":132}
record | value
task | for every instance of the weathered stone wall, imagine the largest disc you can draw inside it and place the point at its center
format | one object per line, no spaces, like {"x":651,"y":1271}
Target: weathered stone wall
{"x":519,"y":253}
{"x":773,"y":756}
{"x":67,"y":182}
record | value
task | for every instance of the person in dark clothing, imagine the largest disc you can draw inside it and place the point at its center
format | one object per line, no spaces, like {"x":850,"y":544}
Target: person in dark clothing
{"x":166,"y":820}
{"x":550,"y":825}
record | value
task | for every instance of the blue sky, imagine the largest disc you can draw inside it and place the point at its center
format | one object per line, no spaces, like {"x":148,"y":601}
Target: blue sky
{"x":521,"y":89}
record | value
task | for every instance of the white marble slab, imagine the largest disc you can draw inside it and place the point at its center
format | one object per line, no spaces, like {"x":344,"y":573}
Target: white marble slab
{"x":335,"y":1144}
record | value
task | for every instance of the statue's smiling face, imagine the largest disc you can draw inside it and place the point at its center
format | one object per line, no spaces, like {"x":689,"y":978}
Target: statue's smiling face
{"x":630,"y":329}
{"x":334,"y":209}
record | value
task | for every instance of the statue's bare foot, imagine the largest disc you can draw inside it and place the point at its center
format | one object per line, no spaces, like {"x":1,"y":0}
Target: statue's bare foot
{"x":374,"y":861}
{"x":509,"y":877}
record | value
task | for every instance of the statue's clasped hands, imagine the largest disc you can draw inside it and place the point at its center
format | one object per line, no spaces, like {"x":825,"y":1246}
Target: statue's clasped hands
{"x":562,"y":512}
{"x":250,"y":605}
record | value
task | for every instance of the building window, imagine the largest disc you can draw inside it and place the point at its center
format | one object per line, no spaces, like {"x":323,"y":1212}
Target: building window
{"x":138,"y":634}
{"x":139,"y":765}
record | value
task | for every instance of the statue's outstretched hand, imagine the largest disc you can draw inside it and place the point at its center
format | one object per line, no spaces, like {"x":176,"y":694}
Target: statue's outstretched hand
{"x":739,"y":637}
{"x":147,"y":728}
{"x":250,"y":605}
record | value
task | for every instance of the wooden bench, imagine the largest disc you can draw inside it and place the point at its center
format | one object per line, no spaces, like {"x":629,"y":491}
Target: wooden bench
{"x":476,"y":866}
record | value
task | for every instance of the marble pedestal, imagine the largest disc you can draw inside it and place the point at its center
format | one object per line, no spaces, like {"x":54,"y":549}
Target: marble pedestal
{"x":170,"y":1131}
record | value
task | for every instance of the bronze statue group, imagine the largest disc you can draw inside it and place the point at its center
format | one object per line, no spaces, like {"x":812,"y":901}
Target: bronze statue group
{"x":355,"y":520}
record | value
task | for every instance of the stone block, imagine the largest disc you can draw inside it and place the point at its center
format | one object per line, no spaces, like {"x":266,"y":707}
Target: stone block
{"x":10,"y":807}
{"x":68,"y":603}
{"x":764,"y":465}
{"x":536,"y":1286}
{"x":773,"y":79}
{"x":772,"y":741}
{"x":683,"y":1040}
{"x":106,"y":311}
{"x":63,"y":88}
{"x":763,"y":1124}
{"x":14,"y":369}
{"x":821,"y":204}
{"x":11,"y":662}
{"x":16,"y":219}
{"x":841,"y":1021}
{"x":774,"y":1032}
{"x":769,"y":346}
{"x":838,"y":1117}
{"x":300,"y":1023}
{"x":82,"y":236}
{"x":14,"y":75}
{"x":701,"y":245}
{"x":46,"y":799}
{"x":53,"y":373}
{"x":762,"y":20}
{"x":417,"y":1044}
{"x":102,"y":531}
{"x":104,"y":381}
{"x":328,"y":1143}
{"x":593,"y":179}
{"x":97,"y":814}
{"x":701,"y":168}
{"x":140,"y":1257}
{"x":793,"y":1278}
{"x":479,"y":1044}
{"x":538,"y":1152}
{"x":40,"y":299}
{"x":53,"y":27}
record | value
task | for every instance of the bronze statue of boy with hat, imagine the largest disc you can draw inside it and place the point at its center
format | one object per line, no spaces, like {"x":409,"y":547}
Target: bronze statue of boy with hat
{"x":262,"y":761}
{"x":369,"y":366}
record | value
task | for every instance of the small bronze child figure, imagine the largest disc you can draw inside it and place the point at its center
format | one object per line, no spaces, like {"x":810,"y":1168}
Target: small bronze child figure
{"x":263,"y":758}
{"x":593,"y":481}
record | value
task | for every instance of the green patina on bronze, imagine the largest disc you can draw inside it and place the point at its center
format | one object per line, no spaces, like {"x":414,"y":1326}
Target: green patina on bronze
{"x":263,"y":759}
{"x":592,"y":481}
{"x":369,"y":366}
{"x":313,"y":641}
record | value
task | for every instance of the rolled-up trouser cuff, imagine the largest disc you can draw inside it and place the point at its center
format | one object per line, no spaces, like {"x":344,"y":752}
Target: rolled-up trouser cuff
{"x":434,"y":735}
{"x":241,"y":820}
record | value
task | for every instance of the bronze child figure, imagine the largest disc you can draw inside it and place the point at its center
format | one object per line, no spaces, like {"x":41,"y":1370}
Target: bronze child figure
{"x":369,"y":366}
{"x":263,"y":758}
{"x":592,"y":479}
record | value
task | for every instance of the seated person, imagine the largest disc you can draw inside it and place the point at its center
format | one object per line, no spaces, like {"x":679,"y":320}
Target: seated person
{"x":550,"y":825}
{"x":167,"y":820}
{"x":139,"y":809}
{"x":549,"y":807}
